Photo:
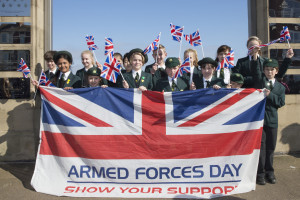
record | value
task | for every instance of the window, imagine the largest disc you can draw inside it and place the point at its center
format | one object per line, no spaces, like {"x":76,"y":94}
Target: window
{"x":9,"y":59}
{"x":14,"y":88}
{"x":279,"y":54}
{"x":294,"y":30}
{"x":15,"y":33}
{"x":284,"y":8}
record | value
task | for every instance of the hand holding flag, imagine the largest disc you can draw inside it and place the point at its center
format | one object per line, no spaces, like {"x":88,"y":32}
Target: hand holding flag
{"x":111,"y":69}
{"x":43,"y":80}
{"x":184,"y":68}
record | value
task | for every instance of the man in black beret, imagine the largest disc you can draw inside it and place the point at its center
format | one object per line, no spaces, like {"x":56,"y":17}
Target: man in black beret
{"x":169,"y":83}
{"x":206,"y":78}
{"x":136,"y":78}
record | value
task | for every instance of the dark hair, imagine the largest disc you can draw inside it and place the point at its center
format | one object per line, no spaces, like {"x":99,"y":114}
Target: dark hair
{"x":63,"y":54}
{"x":118,"y":54}
{"x":48,"y":56}
{"x":126,"y":55}
{"x":221,"y":49}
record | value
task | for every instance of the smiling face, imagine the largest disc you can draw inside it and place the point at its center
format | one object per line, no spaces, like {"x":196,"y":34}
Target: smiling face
{"x":87,"y":60}
{"x":63,"y":65}
{"x":94,"y":81}
{"x":160,"y":55}
{"x":51,"y":64}
{"x":136,"y":61}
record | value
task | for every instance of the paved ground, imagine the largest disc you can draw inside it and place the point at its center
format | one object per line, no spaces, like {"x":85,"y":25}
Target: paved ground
{"x":15,"y":183}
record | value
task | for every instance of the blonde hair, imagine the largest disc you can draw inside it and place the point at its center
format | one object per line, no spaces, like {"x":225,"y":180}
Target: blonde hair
{"x":251,"y":38}
{"x":137,"y":53}
{"x":91,"y":54}
{"x":161,"y":47}
{"x":195,"y":63}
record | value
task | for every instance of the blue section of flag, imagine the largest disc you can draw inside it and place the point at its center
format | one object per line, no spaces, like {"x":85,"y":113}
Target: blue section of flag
{"x":116,"y":100}
{"x":250,"y":115}
{"x":52,"y":116}
{"x":194,"y":101}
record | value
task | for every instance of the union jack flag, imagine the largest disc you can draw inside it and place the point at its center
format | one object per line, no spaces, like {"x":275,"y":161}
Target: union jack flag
{"x":111,"y":69}
{"x":262,"y":45}
{"x":285,"y":34}
{"x":87,"y":130}
{"x":227,"y":62}
{"x":90,"y":42}
{"x":153,"y":46}
{"x":176,"y":32}
{"x":109,"y":47}
{"x":45,"y":81}
{"x":23,"y":68}
{"x":184,"y":68}
{"x":193,"y":39}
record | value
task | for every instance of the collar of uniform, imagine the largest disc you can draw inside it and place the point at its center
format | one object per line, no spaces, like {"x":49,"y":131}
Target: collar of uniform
{"x":273,"y":81}
{"x":53,"y":71}
{"x":66,"y":75}
{"x":207,"y":79}
{"x":134,"y":73}
{"x":250,"y":57}
{"x":170,"y":80}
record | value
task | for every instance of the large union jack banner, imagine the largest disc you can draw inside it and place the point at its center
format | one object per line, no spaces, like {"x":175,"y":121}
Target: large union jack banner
{"x":110,"y":142}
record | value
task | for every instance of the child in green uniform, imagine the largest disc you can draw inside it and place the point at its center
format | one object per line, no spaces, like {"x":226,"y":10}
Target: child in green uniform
{"x":275,"y":98}
{"x":168,"y":84}
{"x":136,"y":78}
{"x":67,"y":80}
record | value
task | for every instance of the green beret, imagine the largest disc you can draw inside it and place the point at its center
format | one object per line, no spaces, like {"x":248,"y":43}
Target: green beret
{"x":137,"y":50}
{"x":236,"y":77}
{"x":209,"y":61}
{"x":94,"y":71}
{"x":63,"y":54}
{"x":271,"y":63}
{"x":172,"y":62}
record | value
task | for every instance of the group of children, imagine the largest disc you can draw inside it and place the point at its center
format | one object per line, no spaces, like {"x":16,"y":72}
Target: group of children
{"x":252,"y":71}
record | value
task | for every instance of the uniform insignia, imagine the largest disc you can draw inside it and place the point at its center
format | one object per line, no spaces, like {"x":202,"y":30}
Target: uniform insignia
{"x":68,"y":81}
{"x":142,"y":80}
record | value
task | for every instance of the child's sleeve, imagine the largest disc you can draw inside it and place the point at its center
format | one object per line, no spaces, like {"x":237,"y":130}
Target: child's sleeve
{"x":277,"y":100}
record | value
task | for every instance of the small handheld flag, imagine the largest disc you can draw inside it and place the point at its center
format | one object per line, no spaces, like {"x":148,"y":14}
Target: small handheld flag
{"x":153,"y":46}
{"x":193,"y":39}
{"x":176,"y":32}
{"x":285,"y":34}
{"x":24,"y":68}
{"x":184,"y":68}
{"x":109,"y":47}
{"x":262,"y":45}
{"x":45,"y":81}
{"x":227,"y":62}
{"x":111,"y":69}
{"x":90,"y":42}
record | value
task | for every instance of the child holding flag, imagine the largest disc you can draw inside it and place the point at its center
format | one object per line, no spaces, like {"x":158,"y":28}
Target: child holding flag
{"x":243,"y":65}
{"x":169,"y":83}
{"x":52,"y":72}
{"x":192,"y":53}
{"x":136,"y":78}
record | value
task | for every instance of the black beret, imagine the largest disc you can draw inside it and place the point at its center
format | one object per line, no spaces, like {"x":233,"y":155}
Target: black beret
{"x":94,"y":71}
{"x":209,"y":61}
{"x":172,"y":62}
{"x":271,"y":63}
{"x":236,"y":77}
{"x":137,"y":50}
{"x":63,"y":54}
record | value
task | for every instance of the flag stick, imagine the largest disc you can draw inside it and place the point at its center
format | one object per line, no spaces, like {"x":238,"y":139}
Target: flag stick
{"x":157,"y":48}
{"x":39,"y":85}
{"x":191,"y":74}
{"x":288,"y":43}
{"x":180,"y":43}
{"x":95,"y":56}
{"x":202,"y":50}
